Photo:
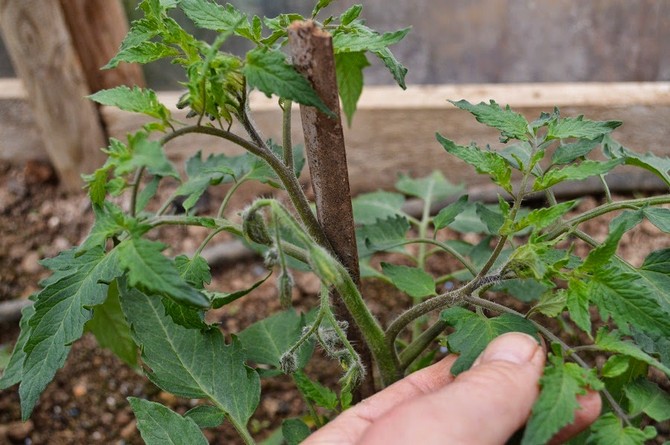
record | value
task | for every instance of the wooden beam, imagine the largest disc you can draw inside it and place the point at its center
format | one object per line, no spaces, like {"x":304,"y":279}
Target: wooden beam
{"x":97,"y":28}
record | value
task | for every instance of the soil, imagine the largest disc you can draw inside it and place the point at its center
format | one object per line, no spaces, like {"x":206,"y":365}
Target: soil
{"x":86,"y":402}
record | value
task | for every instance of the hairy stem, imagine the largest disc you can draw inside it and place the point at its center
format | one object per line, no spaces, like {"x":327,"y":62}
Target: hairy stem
{"x":414,"y":349}
{"x":135,"y":190}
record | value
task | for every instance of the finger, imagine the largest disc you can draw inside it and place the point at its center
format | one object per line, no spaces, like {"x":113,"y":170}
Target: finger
{"x":484,"y":405}
{"x":590,"y":405}
{"x":349,"y":426}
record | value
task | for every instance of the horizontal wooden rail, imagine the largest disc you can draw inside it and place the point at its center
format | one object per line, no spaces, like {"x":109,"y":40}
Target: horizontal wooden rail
{"x":394,"y":130}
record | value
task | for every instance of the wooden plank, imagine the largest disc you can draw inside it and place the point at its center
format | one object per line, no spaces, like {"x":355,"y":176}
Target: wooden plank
{"x":41,"y":50}
{"x":97,"y":28}
{"x":394,"y":130}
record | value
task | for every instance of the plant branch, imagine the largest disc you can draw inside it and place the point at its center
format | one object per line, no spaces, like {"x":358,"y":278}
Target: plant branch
{"x":135,"y":191}
{"x":287,"y":144}
{"x":414,"y":349}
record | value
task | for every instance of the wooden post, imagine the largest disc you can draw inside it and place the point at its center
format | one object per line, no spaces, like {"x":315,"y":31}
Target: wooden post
{"x":97,"y":28}
{"x":41,"y":50}
{"x":312,"y":52}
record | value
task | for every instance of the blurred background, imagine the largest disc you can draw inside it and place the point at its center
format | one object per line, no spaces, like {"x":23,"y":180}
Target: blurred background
{"x":494,"y":41}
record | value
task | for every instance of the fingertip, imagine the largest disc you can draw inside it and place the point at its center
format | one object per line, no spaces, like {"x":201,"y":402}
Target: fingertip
{"x":513,"y":347}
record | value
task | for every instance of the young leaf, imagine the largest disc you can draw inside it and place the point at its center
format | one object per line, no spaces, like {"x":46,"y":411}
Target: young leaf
{"x":511,"y":125}
{"x":159,"y":425}
{"x":628,"y":300}
{"x":294,"y":431}
{"x":220,"y":299}
{"x":601,"y":255}
{"x":369,"y":207}
{"x":349,"y":71}
{"x":557,"y":403}
{"x":485,"y":162}
{"x":432,"y":188}
{"x":612,"y":342}
{"x":608,"y":430}
{"x":351,"y":14}
{"x":655,"y":271}
{"x":143,"y":53}
{"x":209,"y":15}
{"x":148,"y":268}
{"x":544,"y":217}
{"x":578,"y":172}
{"x":648,"y":161}
{"x":268,"y":339}
{"x":62,"y":309}
{"x":615,"y":366}
{"x":384,"y":235}
{"x":195,"y":271}
{"x":492,"y":218}
{"x":109,"y":222}
{"x":647,"y":397}
{"x":201,"y":175}
{"x":111,"y":329}
{"x":448,"y":214}
{"x":206,"y":416}
{"x":551,"y":303}
{"x":413,"y":281}
{"x":191,"y":363}
{"x":134,"y":99}
{"x":268,"y":71}
{"x":659,"y":217}
{"x":578,"y":300}
{"x":186,"y":316}
{"x":474,"y":332}
{"x":578,"y":127}
{"x":567,"y":153}
{"x":315,"y":391}
{"x":469,"y":221}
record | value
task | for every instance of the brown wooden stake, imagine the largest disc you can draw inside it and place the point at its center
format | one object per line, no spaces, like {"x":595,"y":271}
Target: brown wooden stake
{"x":97,"y":28}
{"x":312,"y":53}
{"x":41,"y":50}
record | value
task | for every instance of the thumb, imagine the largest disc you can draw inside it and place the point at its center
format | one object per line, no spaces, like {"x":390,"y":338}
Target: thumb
{"x":484,"y":405}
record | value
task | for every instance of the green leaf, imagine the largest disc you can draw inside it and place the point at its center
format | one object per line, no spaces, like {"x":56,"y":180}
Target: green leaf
{"x":315,"y":391}
{"x":626,"y":298}
{"x":578,"y":172}
{"x":143,"y":53}
{"x":349,"y":71}
{"x":159,"y":425}
{"x":109,"y":222}
{"x":186,"y":316}
{"x":658,"y":345}
{"x":601,"y":255}
{"x":220,"y":299}
{"x":369,"y":207}
{"x":526,"y":290}
{"x":351,"y":14}
{"x":608,"y":430}
{"x":493,"y":219}
{"x":111,"y":329}
{"x":485,"y":162}
{"x":659,"y":217}
{"x":655,"y":271}
{"x":578,"y":300}
{"x":62,"y":309}
{"x":432,"y":188}
{"x":209,"y":15}
{"x":96,"y":184}
{"x":474,"y":332}
{"x":413,"y":281}
{"x":544,"y":217}
{"x":557,"y":403}
{"x":612,"y":342}
{"x":648,"y":161}
{"x":647,"y":397}
{"x":268,"y":339}
{"x":359,"y":37}
{"x":137,"y":100}
{"x":567,"y":153}
{"x":268,"y":71}
{"x":195,"y":271}
{"x":294,"y":431}
{"x":615,"y":366}
{"x":149,"y":154}
{"x":384,"y":235}
{"x":578,"y":127}
{"x":551,"y":303}
{"x":629,"y":219}
{"x":206,"y":416}
{"x":469,"y":221}
{"x":13,"y":371}
{"x":511,"y":125}
{"x":149,"y":269}
{"x":191,"y":363}
{"x":449,"y":213}
{"x":201,"y":175}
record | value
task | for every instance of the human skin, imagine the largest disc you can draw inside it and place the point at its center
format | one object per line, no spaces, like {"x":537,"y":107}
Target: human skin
{"x":484,"y":405}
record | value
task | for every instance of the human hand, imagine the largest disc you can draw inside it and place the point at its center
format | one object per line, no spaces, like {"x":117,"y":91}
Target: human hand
{"x":482,"y":406}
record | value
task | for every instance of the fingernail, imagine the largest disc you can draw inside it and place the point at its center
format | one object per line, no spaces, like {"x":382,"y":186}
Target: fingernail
{"x":513,"y":347}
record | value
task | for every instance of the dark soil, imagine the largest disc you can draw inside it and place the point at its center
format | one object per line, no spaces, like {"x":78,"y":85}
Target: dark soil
{"x":86,"y":402}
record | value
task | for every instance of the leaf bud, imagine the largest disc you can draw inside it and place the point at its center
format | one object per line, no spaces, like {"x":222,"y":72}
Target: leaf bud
{"x":324,"y":265}
{"x":270,"y":258}
{"x":254,"y":228}
{"x":285,"y":285}
{"x":288,"y":362}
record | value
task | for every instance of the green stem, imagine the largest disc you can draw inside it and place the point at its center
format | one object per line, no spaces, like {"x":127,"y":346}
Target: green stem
{"x":242,"y":431}
{"x":414,"y":349}
{"x":229,"y":194}
{"x":135,"y":191}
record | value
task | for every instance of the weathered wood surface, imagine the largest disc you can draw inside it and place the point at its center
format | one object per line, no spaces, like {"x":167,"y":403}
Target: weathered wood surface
{"x":44,"y":58}
{"x":394,"y":130}
{"x":97,"y":28}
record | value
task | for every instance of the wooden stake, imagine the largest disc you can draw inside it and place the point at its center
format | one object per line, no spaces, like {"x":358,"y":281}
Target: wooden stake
{"x":312,"y":52}
{"x":41,"y":50}
{"x":97,"y":28}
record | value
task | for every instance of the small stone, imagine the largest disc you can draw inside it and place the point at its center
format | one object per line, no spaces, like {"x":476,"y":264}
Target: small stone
{"x":38,"y":172}
{"x":18,"y":431}
{"x":97,"y":435}
{"x":123,"y":417}
{"x":61,"y":243}
{"x":53,"y":222}
{"x":167,"y":398}
{"x":128,"y":431}
{"x":79,"y":390}
{"x":30,"y":263}
{"x":107,"y":419}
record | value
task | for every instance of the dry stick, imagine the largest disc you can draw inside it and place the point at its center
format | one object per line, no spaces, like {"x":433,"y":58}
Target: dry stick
{"x":312,"y":53}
